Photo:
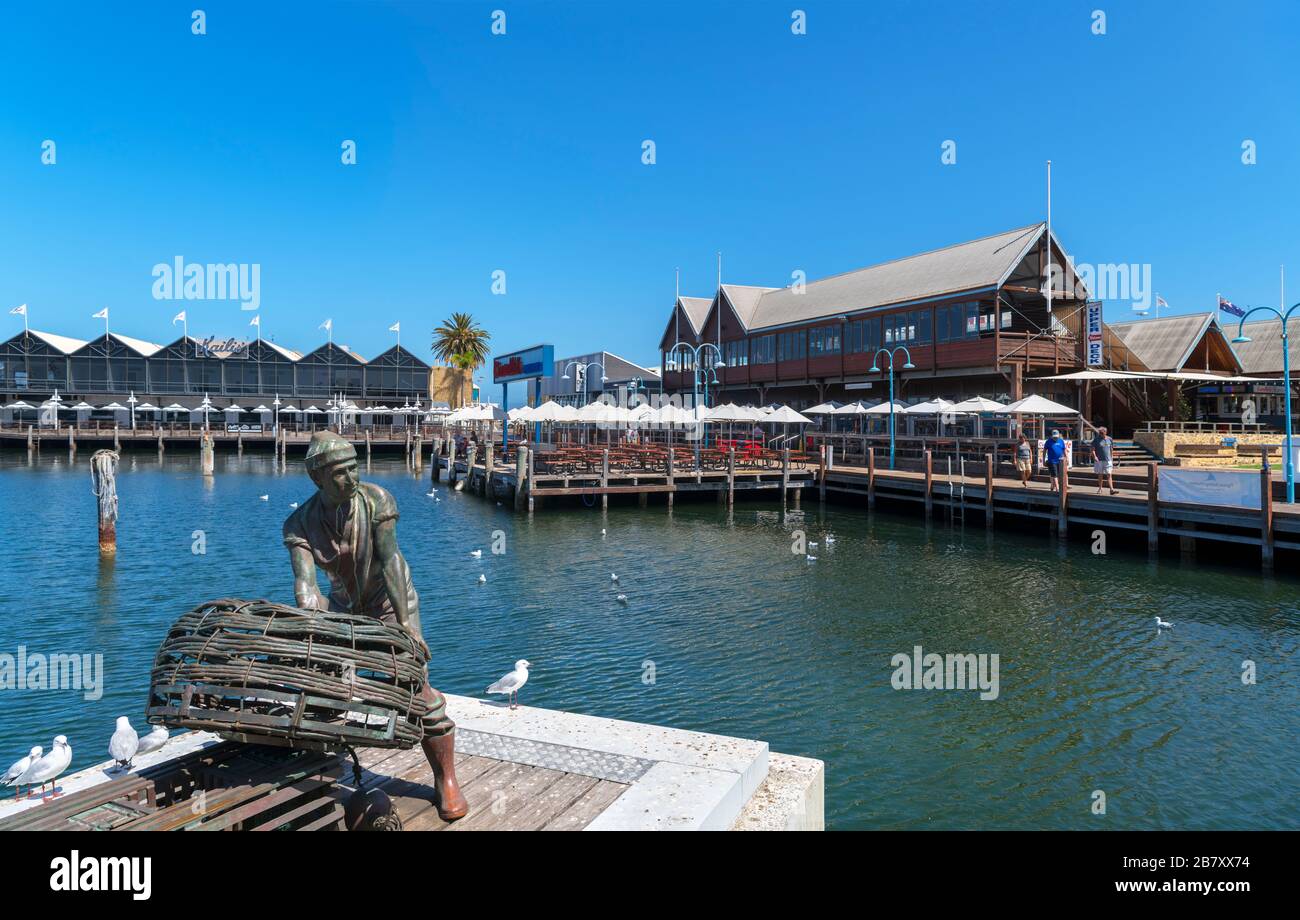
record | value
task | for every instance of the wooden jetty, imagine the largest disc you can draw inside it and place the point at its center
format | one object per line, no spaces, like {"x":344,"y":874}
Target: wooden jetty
{"x":388,"y":439}
{"x":521,"y":769}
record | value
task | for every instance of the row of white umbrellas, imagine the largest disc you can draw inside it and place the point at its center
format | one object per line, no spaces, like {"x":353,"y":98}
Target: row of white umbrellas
{"x":645,"y":414}
{"x":1030,"y":405}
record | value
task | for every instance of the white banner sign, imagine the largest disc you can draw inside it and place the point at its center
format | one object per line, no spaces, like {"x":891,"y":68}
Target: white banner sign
{"x":1210,"y":487}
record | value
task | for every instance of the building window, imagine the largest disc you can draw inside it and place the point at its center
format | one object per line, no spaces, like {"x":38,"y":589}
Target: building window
{"x":737,"y":353}
{"x":763,"y":349}
{"x":792,"y":346}
{"x":823,"y":341}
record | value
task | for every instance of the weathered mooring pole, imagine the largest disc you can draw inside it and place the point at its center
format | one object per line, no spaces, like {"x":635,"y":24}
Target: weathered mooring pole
{"x":207,"y":450}
{"x":103,"y":472}
{"x":521,"y":471}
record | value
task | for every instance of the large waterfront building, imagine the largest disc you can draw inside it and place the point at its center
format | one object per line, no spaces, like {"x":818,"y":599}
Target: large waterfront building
{"x":973,"y":317}
{"x":110,"y":368}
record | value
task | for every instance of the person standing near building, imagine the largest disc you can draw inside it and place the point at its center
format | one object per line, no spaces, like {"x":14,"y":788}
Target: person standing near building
{"x":1024,"y":460}
{"x":1055,"y":450}
{"x":1103,"y":463}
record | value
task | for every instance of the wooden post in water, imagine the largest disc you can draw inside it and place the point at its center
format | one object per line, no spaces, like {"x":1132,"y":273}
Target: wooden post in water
{"x":207,"y":461}
{"x":160,"y":444}
{"x":1063,"y":510}
{"x":731,"y":477}
{"x":871,"y":477}
{"x":117,"y":441}
{"x":489,"y":464}
{"x":1153,"y":509}
{"x":31,"y":439}
{"x":821,"y":473}
{"x":239,"y":444}
{"x":785,"y":474}
{"x":604,"y":478}
{"x":988,"y":490}
{"x":408,"y":446}
{"x":532,"y":469}
{"x":72,"y":439}
{"x":521,"y":471}
{"x":417,"y":458}
{"x":672,"y":477}
{"x":471,"y":454}
{"x":451,"y":461}
{"x":435,"y":473}
{"x":1266,"y":517}
{"x":103,"y":472}
{"x":929,"y":484}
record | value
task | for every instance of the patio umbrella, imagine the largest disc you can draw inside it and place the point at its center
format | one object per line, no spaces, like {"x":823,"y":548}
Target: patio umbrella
{"x":977,"y":405}
{"x":885,"y":408}
{"x":1039,"y":406}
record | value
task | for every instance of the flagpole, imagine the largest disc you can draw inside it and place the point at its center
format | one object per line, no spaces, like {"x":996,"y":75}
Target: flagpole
{"x":1049,"y":243}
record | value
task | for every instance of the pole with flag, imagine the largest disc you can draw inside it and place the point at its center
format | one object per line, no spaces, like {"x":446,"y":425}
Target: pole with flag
{"x":397,"y":327}
{"x":102,"y":314}
{"x":257,"y":321}
{"x":20,"y":310}
{"x":328,"y":326}
{"x":1160,"y":302}
{"x":185,"y":323}
{"x":1227,"y":306}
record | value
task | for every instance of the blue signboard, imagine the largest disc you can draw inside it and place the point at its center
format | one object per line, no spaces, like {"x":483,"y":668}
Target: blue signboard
{"x":538,"y":361}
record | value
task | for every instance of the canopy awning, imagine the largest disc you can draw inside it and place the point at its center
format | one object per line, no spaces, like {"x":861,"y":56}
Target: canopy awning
{"x":1153,"y":375}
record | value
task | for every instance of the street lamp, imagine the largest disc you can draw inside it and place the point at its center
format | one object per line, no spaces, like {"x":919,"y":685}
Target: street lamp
{"x":696,"y":352}
{"x":275,"y":419}
{"x":131,"y":401}
{"x":205,"y":406}
{"x":875,"y":370}
{"x":585,"y":368}
{"x":1286,"y":385}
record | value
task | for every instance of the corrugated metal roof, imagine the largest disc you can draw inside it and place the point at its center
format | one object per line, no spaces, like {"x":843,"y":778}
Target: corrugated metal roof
{"x":965,"y":266}
{"x":1164,"y":344}
{"x":1263,"y":353}
{"x":744,"y":300}
{"x":140,"y":345}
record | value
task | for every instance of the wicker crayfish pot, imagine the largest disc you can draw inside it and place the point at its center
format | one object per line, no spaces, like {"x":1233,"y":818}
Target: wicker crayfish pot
{"x":269,"y":674}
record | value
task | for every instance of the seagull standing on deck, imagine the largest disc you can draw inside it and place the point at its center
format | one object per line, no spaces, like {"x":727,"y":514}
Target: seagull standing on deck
{"x":124,"y":743}
{"x":512,"y":682}
{"x":20,"y":767}
{"x":153,"y":741}
{"x":49,"y":767}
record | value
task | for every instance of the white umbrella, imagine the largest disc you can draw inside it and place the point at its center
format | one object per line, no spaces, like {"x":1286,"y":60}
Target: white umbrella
{"x":19,"y":405}
{"x":314,"y":410}
{"x":83,"y":406}
{"x":853,"y":408}
{"x":884,"y":409}
{"x":234,"y":408}
{"x":827,"y":408}
{"x":286,"y":410}
{"x":521,"y":414}
{"x":261,"y":409}
{"x":787,"y":416}
{"x":932,"y":407}
{"x":1037,"y":405}
{"x":729,"y":412}
{"x":114,"y":407}
{"x":979,"y":404}
{"x":380,"y":408}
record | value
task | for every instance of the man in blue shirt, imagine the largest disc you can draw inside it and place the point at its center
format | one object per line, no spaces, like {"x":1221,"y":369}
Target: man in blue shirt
{"x":1055,"y":450}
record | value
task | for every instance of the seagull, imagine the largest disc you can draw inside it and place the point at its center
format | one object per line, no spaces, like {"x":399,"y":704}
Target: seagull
{"x":20,"y":767}
{"x":810,"y":557}
{"x":477,"y":554}
{"x":265,"y":498}
{"x":622,"y":599}
{"x":512,"y":682}
{"x":293,"y":504}
{"x":829,"y":538}
{"x":482,"y":579}
{"x":1163,"y":624}
{"x":124,"y":743}
{"x":460,"y":485}
{"x":813,"y":545}
{"x":613,"y":577}
{"x":48,"y":767}
{"x":153,"y":741}
{"x":602,"y":531}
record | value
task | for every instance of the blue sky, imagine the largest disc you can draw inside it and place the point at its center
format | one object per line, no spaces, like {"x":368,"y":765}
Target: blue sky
{"x":522,"y":153}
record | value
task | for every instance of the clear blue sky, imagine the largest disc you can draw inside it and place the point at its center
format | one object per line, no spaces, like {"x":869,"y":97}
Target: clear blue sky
{"x":522,"y":152}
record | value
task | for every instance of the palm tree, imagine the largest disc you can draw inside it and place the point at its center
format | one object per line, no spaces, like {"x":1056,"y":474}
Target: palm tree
{"x":461,"y":341}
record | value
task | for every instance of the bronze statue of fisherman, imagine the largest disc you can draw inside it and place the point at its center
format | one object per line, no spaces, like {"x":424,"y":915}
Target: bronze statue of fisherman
{"x":349,"y":529}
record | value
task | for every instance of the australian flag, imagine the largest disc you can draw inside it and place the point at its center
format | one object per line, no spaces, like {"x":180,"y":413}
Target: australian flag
{"x":1227,"y":306}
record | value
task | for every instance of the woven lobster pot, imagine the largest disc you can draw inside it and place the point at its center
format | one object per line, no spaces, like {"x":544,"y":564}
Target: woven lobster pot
{"x":265,"y":673}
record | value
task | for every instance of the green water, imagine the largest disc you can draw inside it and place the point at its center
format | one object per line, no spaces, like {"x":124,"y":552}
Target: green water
{"x":746,"y":638}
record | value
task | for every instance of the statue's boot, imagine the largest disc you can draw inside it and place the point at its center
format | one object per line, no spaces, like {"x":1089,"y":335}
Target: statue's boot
{"x":441,"y":752}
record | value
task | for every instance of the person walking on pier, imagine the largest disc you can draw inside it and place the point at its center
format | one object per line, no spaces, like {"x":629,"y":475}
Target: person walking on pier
{"x":1103,"y":463}
{"x":1024,"y":460}
{"x":1055,"y":450}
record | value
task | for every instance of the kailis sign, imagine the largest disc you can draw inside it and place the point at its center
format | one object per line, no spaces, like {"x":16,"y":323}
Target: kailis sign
{"x":538,"y":361}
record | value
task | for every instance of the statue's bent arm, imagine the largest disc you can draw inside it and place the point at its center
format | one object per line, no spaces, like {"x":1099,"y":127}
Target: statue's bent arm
{"x":306,"y":591}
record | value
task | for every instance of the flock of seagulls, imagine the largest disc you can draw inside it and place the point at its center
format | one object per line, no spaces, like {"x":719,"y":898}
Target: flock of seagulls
{"x":828,"y":539}
{"x":43,"y":769}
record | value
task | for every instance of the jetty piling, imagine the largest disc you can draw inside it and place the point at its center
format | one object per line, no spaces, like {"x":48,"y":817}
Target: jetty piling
{"x":929,"y":485}
{"x":103,"y":478}
{"x":1266,"y":517}
{"x":206,"y":454}
{"x":988,"y":491}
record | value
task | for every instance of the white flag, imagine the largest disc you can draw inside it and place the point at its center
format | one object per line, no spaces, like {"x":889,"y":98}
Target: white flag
{"x":102,"y":314}
{"x":178,"y":318}
{"x":256,"y":321}
{"x":19,"y":310}
{"x":328,"y":325}
{"x":396,"y":327}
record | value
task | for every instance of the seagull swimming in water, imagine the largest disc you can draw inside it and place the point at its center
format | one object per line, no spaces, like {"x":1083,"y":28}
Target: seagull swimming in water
{"x":622,"y":599}
{"x":1163,"y":624}
{"x":613,"y":577}
{"x":48,"y":767}
{"x":602,"y":531}
{"x":153,"y":741}
{"x":810,"y":557}
{"x":482,"y":579}
{"x":477,"y":554}
{"x":124,"y":743}
{"x":512,"y":682}
{"x":265,"y":498}
{"x":829,"y":538}
{"x":20,"y":767}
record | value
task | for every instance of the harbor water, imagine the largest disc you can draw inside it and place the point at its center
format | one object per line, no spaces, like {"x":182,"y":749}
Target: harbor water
{"x":724,"y":630}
